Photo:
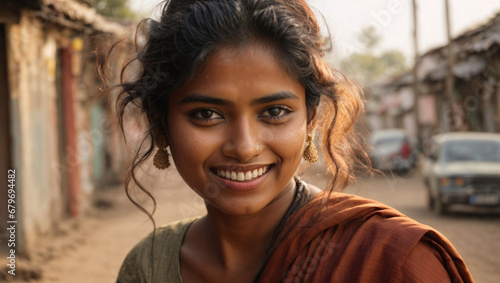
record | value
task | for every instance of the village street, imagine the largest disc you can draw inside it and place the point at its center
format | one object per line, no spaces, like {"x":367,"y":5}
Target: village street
{"x":65,"y":157}
{"x":94,"y":251}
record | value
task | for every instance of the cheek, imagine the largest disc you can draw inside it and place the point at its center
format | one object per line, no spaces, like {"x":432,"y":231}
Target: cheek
{"x":187,"y":144}
{"x":190,"y":147}
{"x":190,"y":151}
{"x":289,"y":144}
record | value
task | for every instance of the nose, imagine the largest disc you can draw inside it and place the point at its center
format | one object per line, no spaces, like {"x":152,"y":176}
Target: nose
{"x":242,"y":141}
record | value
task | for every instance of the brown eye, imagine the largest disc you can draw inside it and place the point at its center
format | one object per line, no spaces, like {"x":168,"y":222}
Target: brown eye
{"x":206,"y":114}
{"x":275,"y":111}
{"x":276,"y":114}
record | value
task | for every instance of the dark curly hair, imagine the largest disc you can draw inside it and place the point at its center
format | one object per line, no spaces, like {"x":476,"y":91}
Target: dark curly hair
{"x":189,"y":31}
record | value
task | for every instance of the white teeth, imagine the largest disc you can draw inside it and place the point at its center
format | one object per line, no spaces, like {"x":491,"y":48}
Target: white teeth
{"x":241,"y":176}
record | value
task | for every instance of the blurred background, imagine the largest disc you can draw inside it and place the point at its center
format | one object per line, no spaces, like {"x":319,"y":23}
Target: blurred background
{"x":430,"y":71}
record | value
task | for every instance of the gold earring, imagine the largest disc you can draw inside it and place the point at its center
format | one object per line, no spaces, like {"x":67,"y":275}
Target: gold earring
{"x":161,"y":160}
{"x":310,"y":154}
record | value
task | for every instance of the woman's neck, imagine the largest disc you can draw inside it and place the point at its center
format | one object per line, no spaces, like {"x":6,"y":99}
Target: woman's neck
{"x":236,"y":246}
{"x":247,"y":234}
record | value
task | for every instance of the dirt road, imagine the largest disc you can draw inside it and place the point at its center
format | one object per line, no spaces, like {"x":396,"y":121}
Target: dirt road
{"x":93,"y":252}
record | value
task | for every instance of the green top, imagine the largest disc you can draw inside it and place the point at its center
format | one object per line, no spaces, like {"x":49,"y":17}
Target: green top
{"x":138,"y":266}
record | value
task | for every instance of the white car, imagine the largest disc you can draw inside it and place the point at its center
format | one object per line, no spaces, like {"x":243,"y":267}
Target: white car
{"x":462,"y":171}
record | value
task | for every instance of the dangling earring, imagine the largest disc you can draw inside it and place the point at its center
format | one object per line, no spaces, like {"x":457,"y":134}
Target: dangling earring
{"x":161,"y":160}
{"x":310,"y":154}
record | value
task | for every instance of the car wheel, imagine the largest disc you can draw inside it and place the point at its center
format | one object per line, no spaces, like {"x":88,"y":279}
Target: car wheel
{"x":428,"y":187}
{"x":439,"y":207}
{"x":430,"y":201}
{"x":405,"y":168}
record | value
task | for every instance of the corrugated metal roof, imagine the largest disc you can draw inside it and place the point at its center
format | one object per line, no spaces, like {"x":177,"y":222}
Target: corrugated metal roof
{"x":469,"y":67}
{"x":472,"y":49}
{"x":81,"y":14}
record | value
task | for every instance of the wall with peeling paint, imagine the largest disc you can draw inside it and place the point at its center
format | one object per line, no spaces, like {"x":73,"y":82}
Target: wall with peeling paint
{"x":59,"y":125}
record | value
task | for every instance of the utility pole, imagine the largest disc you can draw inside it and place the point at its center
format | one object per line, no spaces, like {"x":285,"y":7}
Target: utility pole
{"x":416,"y":83}
{"x":454,"y":120}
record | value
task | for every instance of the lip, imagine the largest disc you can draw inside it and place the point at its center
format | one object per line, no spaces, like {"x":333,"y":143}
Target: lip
{"x":240,"y":186}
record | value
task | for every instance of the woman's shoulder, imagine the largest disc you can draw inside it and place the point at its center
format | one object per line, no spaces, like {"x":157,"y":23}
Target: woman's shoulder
{"x":166,"y":239}
{"x":392,"y":246}
{"x":165,"y":235}
{"x":353,"y":214}
{"x":352,"y":239}
{"x":173,"y":229}
{"x":339,"y":208}
{"x":370,"y":224}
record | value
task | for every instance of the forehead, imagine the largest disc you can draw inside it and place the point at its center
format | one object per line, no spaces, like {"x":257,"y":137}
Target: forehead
{"x":239,"y":72}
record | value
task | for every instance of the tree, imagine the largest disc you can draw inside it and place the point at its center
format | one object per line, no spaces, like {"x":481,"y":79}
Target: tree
{"x":366,"y":66}
{"x":114,"y":8}
{"x":368,"y":37}
{"x":394,"y":62}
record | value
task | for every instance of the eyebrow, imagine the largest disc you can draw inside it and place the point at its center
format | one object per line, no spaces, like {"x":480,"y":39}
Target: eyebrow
{"x":201,"y":98}
{"x":274,"y":97}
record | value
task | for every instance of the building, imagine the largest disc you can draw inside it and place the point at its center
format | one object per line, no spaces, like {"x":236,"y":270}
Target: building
{"x":55,"y":129}
{"x":476,"y":72}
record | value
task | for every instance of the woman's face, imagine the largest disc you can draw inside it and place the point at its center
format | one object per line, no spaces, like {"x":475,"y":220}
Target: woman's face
{"x":237,"y":130}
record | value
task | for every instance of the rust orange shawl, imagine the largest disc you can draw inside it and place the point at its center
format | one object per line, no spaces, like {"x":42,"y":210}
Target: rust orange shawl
{"x":354,"y":239}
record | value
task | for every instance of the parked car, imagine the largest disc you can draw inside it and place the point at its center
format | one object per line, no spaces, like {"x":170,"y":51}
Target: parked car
{"x":463,"y":171}
{"x":392,"y":150}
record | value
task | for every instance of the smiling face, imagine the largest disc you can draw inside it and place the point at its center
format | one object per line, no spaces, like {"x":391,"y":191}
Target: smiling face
{"x":237,"y":130}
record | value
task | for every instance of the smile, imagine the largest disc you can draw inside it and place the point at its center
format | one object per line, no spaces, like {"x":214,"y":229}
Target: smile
{"x":242,"y":176}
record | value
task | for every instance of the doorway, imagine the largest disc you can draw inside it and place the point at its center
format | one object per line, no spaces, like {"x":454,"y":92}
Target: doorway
{"x":5,"y":132}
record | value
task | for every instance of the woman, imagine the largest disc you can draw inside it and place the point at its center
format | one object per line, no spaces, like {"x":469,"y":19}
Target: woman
{"x":236,"y":89}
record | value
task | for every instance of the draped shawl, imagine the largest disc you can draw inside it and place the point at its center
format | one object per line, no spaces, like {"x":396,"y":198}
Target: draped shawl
{"x":344,"y":238}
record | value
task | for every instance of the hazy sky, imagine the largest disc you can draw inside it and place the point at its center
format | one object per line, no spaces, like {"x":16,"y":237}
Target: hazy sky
{"x":392,"y":19}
